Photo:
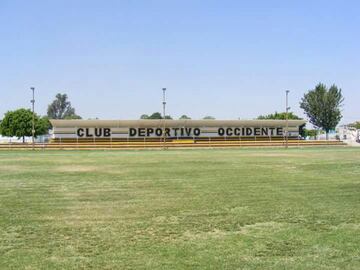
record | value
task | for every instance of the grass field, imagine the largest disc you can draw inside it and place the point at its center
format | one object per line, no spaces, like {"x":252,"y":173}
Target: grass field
{"x":181,"y":209}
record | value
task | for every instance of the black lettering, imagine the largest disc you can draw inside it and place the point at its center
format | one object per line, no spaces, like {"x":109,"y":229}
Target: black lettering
{"x":142,"y":132}
{"x":279,"y":131}
{"x":197,"y":132}
{"x":132,"y":132}
{"x":149,"y":132}
{"x":188,"y":131}
{"x":167,"y":132}
{"x":175,"y":131}
{"x":221,"y":132}
{"x":264,"y":132}
{"x":257,"y":131}
{"x":158,"y":132}
{"x":98,"y":132}
{"x":182,"y":132}
{"x":80,"y":132}
{"x":107,"y":132}
{"x":229,"y":132}
{"x":237,"y":131}
{"x":248,"y":131}
{"x":88,"y":133}
{"x":272,"y":131}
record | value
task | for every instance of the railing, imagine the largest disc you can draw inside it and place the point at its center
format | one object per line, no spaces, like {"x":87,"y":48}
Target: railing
{"x":74,"y":144}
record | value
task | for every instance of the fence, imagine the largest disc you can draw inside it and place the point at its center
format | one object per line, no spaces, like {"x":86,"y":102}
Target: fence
{"x":73,"y":144}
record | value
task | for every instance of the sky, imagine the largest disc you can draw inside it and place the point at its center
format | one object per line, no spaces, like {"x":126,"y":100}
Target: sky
{"x":229,"y":59}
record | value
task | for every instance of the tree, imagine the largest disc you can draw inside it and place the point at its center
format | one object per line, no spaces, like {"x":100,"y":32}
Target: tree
{"x":322,"y":107}
{"x":282,"y":116}
{"x":61,"y":108}
{"x":42,"y":126}
{"x":155,"y":115}
{"x":310,"y":133}
{"x":209,"y":117}
{"x":355,"y":125}
{"x":72,"y":117}
{"x":19,"y":123}
{"x":184,"y":117}
{"x":279,"y":116}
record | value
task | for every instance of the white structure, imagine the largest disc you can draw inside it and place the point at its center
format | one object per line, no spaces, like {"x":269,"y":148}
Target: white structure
{"x":39,"y":139}
{"x":349,"y":135}
{"x":13,"y":139}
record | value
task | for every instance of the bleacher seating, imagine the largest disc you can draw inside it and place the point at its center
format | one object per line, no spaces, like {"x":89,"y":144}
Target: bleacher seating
{"x":148,"y":143}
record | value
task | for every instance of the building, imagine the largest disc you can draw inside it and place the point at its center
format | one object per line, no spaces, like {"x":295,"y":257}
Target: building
{"x":159,"y":130}
{"x":349,"y":134}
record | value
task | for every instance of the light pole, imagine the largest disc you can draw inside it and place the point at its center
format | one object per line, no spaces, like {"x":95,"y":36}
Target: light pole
{"x":164,"y":114}
{"x":287,"y":119}
{"x":33,"y":117}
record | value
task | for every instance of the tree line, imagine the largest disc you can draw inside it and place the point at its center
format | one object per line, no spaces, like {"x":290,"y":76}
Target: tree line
{"x":157,"y":115}
{"x":321,"y":105}
{"x":18,"y":123}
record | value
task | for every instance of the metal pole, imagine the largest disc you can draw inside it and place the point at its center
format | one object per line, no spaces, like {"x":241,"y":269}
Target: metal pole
{"x":164,"y":114}
{"x":287,"y":120}
{"x":33,"y":117}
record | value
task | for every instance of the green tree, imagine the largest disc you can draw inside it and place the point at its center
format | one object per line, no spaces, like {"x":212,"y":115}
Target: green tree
{"x":155,"y":115}
{"x":72,"y":117}
{"x":19,"y":123}
{"x":208,"y":117}
{"x":310,"y":133}
{"x":322,"y":107}
{"x":282,"y":116}
{"x":61,"y":108}
{"x":44,"y":124}
{"x":356,"y":125}
{"x":279,"y":116}
{"x":184,"y":117}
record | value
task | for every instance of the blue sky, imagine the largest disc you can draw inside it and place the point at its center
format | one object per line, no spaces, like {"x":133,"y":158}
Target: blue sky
{"x":228,"y":59}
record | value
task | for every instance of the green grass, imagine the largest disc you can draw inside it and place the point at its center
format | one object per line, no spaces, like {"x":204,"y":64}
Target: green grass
{"x":181,"y":209}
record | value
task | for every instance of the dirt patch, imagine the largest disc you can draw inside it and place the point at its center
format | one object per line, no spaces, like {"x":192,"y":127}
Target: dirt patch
{"x":262,"y":226}
{"x":297,"y":155}
{"x":12,"y":168}
{"x":76,"y":168}
{"x":216,"y":233}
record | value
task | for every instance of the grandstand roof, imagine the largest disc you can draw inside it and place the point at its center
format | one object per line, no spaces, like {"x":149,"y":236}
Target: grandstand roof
{"x":175,"y":123}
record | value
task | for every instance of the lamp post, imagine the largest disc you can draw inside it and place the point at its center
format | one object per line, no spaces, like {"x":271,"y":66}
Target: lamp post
{"x":287,"y":119}
{"x":33,"y":118}
{"x":164,"y":114}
